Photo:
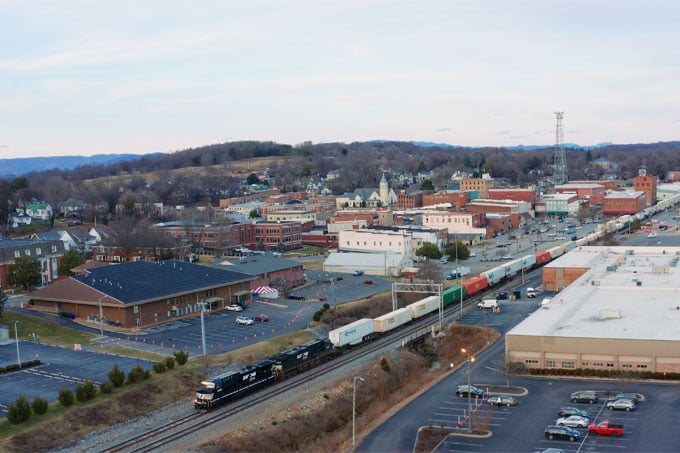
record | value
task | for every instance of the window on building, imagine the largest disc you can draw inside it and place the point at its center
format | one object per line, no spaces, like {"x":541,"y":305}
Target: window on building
{"x":27,"y":252}
{"x":568,"y":365}
{"x":550,"y":364}
{"x":641,"y":365}
{"x":38,"y":251}
{"x":135,"y":309}
{"x":17,"y":254}
{"x":531,"y":361}
{"x":627,"y":365}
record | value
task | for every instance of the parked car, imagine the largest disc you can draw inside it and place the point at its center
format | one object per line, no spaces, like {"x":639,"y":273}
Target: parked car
{"x":636,"y":397}
{"x":261,"y":318}
{"x":585,"y":396}
{"x":566,"y":411}
{"x":652,"y":234}
{"x":358,"y":273}
{"x":463,"y":390}
{"x":369,"y":282}
{"x":573,"y":421}
{"x":561,"y":432}
{"x":507,"y":257}
{"x":443,"y":261}
{"x":621,"y":404}
{"x":531,"y":293}
{"x":233,"y":307}
{"x":604,"y":428}
{"x":502,"y":400}
{"x":488,"y":303}
{"x":244,"y":321}
{"x":502,"y":295}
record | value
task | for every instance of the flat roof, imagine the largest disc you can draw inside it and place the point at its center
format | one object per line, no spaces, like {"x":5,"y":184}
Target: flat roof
{"x":625,"y":194}
{"x":627,"y":293}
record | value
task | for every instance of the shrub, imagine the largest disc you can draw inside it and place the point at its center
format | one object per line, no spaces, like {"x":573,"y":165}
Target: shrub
{"x":106,"y":387}
{"x":159,"y":367}
{"x":81,"y":392}
{"x":137,"y":374}
{"x":66,"y":397}
{"x":317,"y":316}
{"x":39,"y":405}
{"x":169,"y":363}
{"x":117,"y":376}
{"x":19,"y":411}
{"x":181,"y":357}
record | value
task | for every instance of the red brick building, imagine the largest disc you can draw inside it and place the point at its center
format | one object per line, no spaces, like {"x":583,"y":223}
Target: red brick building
{"x":457,"y":199}
{"x":410,"y":200}
{"x":646,"y":184}
{"x":528,"y":195}
{"x":619,"y":203}
{"x":594,"y":193}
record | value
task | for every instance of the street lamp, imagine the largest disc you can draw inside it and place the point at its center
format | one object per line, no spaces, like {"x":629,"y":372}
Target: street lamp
{"x":16,"y":337}
{"x":354,"y":409}
{"x":101,"y":317}
{"x":469,"y":361}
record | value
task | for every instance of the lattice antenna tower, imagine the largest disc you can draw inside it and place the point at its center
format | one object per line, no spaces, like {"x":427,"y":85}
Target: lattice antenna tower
{"x":560,"y":166}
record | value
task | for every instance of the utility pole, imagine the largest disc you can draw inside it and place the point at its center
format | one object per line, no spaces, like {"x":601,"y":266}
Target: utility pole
{"x":202,"y":305}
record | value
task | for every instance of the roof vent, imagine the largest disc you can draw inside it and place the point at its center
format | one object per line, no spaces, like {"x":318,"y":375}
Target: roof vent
{"x":609,"y":313}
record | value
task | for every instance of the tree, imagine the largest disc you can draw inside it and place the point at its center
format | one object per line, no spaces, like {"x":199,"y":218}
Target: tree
{"x":71,"y":259}
{"x":19,"y":411}
{"x":427,"y":185}
{"x":117,"y":376}
{"x":3,"y":299}
{"x":513,"y":369}
{"x":24,"y":272}
{"x":254,"y":214}
{"x":429,"y":251}
{"x":252,"y":179}
{"x":39,"y":405}
{"x":66,"y":397}
{"x":457,"y":250}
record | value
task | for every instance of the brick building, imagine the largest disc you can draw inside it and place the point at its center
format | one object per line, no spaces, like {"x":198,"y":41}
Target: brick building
{"x":529,"y":195}
{"x":619,"y":203}
{"x":594,"y":193}
{"x":646,"y":184}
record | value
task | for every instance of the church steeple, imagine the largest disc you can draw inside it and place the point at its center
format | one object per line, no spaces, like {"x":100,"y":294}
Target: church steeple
{"x":384,"y":191}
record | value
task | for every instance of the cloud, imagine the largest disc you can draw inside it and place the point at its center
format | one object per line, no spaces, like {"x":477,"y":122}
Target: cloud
{"x":505,"y":132}
{"x":443,"y":129}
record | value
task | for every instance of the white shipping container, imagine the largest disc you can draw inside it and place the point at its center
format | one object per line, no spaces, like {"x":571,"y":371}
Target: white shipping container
{"x":424,"y":306}
{"x":353,"y":333}
{"x":392,"y":320}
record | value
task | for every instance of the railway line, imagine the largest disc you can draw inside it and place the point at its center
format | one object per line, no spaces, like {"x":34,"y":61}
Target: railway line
{"x":174,"y":433}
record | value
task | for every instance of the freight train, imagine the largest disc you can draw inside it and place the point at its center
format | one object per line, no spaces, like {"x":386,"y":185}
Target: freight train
{"x":231,"y":385}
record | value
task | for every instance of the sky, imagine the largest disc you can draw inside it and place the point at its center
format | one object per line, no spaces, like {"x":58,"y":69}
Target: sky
{"x":85,"y":77}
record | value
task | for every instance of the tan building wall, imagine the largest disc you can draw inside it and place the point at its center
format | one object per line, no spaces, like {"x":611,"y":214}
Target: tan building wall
{"x":558,"y":278}
{"x":594,"y":353}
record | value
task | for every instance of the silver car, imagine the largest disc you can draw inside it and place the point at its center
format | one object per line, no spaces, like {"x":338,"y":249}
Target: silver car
{"x":621,"y":404}
{"x":573,"y":421}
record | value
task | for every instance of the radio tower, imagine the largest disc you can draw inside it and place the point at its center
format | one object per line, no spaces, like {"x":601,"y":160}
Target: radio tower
{"x":560,"y":167}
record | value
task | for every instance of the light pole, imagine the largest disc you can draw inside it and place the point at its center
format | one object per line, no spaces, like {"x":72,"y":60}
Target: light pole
{"x":354,"y":410}
{"x":16,"y":337}
{"x":203,"y":344}
{"x":101,"y":317}
{"x":469,"y":361}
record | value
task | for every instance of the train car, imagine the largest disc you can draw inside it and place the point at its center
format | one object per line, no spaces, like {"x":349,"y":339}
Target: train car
{"x":474,"y":285}
{"x":424,"y":306}
{"x":567,"y":246}
{"x":581,"y":241}
{"x":453,"y":294}
{"x":494,"y":275}
{"x":352,"y":334}
{"x":543,"y":257}
{"x":300,"y":358}
{"x":231,"y":385}
{"x":392,"y":320}
{"x":556,"y":252}
{"x":513,"y":267}
{"x":528,"y":262}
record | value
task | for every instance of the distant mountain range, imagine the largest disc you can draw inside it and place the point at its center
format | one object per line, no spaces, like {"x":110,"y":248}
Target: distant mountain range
{"x":12,"y":168}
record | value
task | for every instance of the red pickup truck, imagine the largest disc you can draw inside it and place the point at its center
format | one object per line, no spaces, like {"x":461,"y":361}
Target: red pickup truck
{"x":604,"y":428}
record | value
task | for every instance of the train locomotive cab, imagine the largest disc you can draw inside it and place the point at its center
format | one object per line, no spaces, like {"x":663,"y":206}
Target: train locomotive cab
{"x":233,"y":384}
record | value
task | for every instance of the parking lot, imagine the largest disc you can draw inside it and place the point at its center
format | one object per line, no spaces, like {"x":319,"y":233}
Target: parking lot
{"x":521,"y":427}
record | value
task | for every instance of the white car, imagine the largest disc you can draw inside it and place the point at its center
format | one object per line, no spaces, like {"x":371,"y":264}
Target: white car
{"x":573,"y":421}
{"x":244,"y":321}
{"x":233,"y":307}
{"x":652,"y":234}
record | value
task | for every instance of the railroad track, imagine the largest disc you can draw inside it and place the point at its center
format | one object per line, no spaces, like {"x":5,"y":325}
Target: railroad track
{"x":163,"y":438}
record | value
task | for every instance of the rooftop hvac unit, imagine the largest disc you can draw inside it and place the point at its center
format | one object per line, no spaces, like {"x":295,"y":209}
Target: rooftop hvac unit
{"x":612,"y":268}
{"x":630,"y":252}
{"x":609,"y":313}
{"x":638,"y":283}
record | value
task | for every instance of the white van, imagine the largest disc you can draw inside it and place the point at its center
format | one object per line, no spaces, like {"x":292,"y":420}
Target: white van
{"x":488,"y":303}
